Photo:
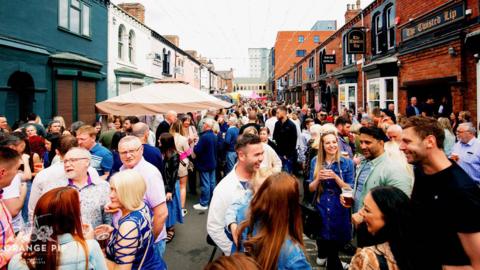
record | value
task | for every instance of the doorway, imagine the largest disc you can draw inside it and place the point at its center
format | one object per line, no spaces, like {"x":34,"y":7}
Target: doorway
{"x":20,"y":96}
{"x":440,"y":93}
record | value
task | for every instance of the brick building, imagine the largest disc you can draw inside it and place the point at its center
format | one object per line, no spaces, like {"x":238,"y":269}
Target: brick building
{"x":412,"y":48}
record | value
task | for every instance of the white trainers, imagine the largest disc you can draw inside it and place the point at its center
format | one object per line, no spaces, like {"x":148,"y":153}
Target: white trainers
{"x":200,"y":207}
{"x":184,"y":212}
{"x":321,"y":262}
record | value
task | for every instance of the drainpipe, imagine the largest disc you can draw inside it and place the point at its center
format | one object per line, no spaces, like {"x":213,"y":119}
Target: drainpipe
{"x":363,"y":74}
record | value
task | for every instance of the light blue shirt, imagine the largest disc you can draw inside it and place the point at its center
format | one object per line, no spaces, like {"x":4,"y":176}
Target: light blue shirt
{"x":469,"y":157}
{"x":72,"y":256}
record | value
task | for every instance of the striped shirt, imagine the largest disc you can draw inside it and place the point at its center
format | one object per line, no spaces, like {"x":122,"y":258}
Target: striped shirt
{"x":469,"y":157}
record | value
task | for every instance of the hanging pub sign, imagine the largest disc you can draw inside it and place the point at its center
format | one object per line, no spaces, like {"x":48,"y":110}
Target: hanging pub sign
{"x":436,"y":20}
{"x":356,"y":41}
{"x":329,"y":59}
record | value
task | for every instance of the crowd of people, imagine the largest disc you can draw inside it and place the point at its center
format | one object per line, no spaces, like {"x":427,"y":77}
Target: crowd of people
{"x":396,"y":192}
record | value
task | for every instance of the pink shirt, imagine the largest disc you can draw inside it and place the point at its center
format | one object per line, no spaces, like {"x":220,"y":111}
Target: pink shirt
{"x":7,"y":236}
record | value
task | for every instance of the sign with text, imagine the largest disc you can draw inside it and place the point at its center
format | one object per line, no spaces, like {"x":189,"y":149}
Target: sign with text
{"x":329,"y":59}
{"x":436,"y":20}
{"x":356,"y":41}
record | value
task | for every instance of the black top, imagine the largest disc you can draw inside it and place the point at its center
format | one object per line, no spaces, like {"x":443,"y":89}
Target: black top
{"x":164,"y":127}
{"x":444,"y":204}
{"x":255,"y":125}
{"x":172,"y":163}
{"x":285,"y":136}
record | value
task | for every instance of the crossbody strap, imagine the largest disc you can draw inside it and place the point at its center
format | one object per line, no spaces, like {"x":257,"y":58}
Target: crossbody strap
{"x":144,"y":254}
{"x":382,"y":261}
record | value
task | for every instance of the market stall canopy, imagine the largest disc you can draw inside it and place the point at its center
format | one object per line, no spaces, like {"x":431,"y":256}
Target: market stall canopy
{"x":159,"y":98}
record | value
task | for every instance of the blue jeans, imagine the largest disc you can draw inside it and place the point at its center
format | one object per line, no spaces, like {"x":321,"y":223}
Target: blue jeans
{"x":159,"y":247}
{"x":207,"y":183}
{"x":287,"y":164}
{"x":231,"y":160}
{"x":25,"y":203}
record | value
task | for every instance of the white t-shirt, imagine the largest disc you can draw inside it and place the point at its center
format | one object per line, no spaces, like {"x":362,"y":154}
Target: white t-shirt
{"x":13,"y":191}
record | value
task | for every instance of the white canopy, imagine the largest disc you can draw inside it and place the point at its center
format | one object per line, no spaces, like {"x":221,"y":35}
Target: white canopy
{"x":159,"y":98}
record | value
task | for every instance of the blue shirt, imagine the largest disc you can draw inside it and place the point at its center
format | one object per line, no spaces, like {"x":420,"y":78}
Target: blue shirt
{"x":206,"y":152}
{"x":469,"y":157}
{"x":102,"y":159}
{"x":231,"y":138}
{"x":153,"y":155}
{"x":336,"y":223}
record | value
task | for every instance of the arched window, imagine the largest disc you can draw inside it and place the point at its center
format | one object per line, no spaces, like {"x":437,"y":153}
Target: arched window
{"x":131,"y":46}
{"x":121,"y":34}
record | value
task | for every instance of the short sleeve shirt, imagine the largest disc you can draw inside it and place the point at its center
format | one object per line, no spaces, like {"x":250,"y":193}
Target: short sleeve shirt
{"x":444,"y":204}
{"x":102,"y":159}
{"x":13,"y":191}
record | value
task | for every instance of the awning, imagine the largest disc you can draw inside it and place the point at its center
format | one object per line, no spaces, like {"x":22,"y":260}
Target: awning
{"x":378,"y":62}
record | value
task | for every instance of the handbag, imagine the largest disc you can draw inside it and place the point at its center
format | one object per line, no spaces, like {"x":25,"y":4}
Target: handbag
{"x":312,"y":221}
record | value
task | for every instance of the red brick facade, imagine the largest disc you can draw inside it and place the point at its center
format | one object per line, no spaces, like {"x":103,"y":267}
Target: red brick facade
{"x":435,"y":54}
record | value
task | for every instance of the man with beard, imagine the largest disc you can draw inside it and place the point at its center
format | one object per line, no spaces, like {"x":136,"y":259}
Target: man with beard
{"x":377,"y":169}
{"x":249,"y":150}
{"x":285,"y":136}
{"x":445,"y":200}
{"x":129,"y":122}
{"x":94,"y":191}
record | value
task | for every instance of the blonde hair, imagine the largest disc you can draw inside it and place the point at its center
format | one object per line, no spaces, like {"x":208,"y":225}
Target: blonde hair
{"x":130,"y":187}
{"x":321,"y":156}
{"x":250,"y":130}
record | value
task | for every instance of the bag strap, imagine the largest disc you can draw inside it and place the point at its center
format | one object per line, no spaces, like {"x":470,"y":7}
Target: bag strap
{"x":144,"y":254}
{"x":382,"y":261}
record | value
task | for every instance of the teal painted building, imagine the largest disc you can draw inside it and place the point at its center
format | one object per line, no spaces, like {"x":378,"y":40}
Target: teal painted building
{"x":53,"y":58}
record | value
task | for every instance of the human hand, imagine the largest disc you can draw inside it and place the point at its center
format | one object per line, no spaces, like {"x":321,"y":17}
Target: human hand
{"x":168,"y":196}
{"x":103,"y":229}
{"x":109,"y":209}
{"x":87,"y":230}
{"x":233,"y":230}
{"x":357,"y":219}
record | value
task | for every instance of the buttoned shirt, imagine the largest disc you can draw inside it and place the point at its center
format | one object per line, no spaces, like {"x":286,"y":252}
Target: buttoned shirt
{"x":155,"y":194}
{"x":225,"y":194}
{"x":93,"y":198}
{"x":384,"y":172}
{"x":44,"y":178}
{"x":469,"y":157}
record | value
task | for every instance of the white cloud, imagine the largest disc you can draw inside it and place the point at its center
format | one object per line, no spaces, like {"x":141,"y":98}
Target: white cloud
{"x":223,"y":30}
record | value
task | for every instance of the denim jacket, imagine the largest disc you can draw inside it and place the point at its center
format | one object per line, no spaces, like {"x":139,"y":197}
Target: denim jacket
{"x":291,"y":254}
{"x":71,"y":256}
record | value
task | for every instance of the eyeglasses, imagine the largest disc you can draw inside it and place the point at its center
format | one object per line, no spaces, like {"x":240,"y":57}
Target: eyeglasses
{"x":131,"y":152}
{"x":73,"y":160}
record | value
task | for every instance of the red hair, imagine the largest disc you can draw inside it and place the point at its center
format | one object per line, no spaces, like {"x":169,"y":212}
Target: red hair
{"x":37,"y":145}
{"x":57,"y":210}
{"x":275,"y":211}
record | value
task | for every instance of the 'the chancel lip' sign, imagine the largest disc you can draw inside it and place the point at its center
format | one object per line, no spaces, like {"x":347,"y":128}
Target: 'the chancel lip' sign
{"x":356,"y":41}
{"x":436,"y":20}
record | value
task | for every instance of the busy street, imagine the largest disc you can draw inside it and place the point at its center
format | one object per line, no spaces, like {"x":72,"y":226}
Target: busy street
{"x":240,"y":135}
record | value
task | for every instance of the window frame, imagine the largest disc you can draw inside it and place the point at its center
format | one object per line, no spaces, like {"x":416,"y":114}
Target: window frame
{"x":390,"y":26}
{"x":301,"y":39}
{"x":120,"y":44}
{"x":81,"y":20}
{"x":382,"y":91}
{"x":378,"y":31}
{"x":346,"y":95}
{"x":297,"y":53}
{"x":348,"y":59}
{"x":131,"y":46}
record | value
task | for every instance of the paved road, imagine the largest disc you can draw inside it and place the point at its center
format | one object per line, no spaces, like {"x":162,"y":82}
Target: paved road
{"x":189,"y":249}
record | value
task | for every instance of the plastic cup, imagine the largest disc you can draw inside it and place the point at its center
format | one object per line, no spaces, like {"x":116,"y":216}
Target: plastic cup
{"x":347,"y":194}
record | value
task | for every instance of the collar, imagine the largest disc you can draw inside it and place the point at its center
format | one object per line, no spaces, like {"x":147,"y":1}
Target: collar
{"x":238,"y":178}
{"x":65,"y":238}
{"x":378,"y":159}
{"x":470,"y":143}
{"x":89,"y":182}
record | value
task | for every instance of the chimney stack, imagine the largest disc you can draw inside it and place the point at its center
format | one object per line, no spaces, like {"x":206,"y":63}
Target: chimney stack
{"x":136,"y":10}
{"x":352,"y":11}
{"x":173,"y":39}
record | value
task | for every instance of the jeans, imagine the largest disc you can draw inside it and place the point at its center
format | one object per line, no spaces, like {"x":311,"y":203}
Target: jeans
{"x":159,"y":247}
{"x":25,"y":203}
{"x":287,"y":164}
{"x":231,"y":160}
{"x":207,"y":182}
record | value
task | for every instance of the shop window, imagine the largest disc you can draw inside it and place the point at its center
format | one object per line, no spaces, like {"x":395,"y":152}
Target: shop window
{"x":74,"y":16}
{"x":316,"y":39}
{"x":347,"y":97}
{"x":121,"y":34}
{"x":311,"y":73}
{"x":166,"y":62}
{"x":381,"y":92}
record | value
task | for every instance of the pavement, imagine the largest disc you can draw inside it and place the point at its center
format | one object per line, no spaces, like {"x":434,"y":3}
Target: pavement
{"x":190,"y":251}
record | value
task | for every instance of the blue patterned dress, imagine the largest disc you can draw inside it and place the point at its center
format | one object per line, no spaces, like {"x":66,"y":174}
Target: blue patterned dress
{"x":131,"y":247}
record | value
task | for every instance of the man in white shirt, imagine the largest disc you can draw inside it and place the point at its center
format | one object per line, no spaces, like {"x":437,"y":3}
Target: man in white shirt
{"x":270,"y":123}
{"x":249,"y":149}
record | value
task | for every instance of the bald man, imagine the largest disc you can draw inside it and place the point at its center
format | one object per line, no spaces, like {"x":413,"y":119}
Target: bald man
{"x":164,"y":126}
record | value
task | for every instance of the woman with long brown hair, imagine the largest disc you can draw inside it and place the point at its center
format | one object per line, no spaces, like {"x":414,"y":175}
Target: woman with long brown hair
{"x":273,"y":233}
{"x":329,"y":174}
{"x":58,"y":238}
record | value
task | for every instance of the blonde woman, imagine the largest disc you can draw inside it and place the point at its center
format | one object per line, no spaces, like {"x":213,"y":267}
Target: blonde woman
{"x":131,"y":242}
{"x":184,"y":150}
